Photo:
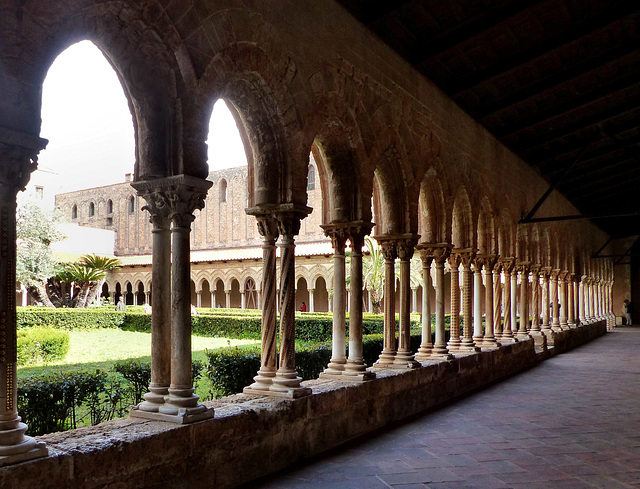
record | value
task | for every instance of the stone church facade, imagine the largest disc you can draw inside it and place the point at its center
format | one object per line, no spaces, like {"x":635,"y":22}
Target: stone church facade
{"x":226,"y":269}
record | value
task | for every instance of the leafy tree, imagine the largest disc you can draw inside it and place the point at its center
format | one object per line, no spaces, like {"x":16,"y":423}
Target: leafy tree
{"x":36,"y":230}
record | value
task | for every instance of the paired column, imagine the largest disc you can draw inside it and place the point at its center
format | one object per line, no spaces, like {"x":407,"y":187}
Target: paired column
{"x":338,"y":235}
{"x":18,"y":158}
{"x":563,"y":305}
{"x":555,"y":306}
{"x":181,"y":195}
{"x":571,"y":308}
{"x":581,"y":298}
{"x":160,"y":300}
{"x":426,"y":345}
{"x":467,"y":256}
{"x":455,"y":344}
{"x":268,"y":229}
{"x":356,"y":369}
{"x":546,"y":309}
{"x":489,"y":340}
{"x":286,"y":382}
{"x":404,"y":357}
{"x":523,"y":327}
{"x":508,"y":268}
{"x":535,"y":300}
{"x":478,"y":335}
{"x":440,"y":255}
{"x":312,"y":306}
{"x":390,"y":254}
{"x":497,"y":300}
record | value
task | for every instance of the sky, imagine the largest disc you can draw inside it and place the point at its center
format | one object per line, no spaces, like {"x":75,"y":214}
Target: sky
{"x":86,"y":118}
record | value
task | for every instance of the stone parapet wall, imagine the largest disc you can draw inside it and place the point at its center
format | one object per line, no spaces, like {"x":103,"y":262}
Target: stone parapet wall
{"x":253,"y":436}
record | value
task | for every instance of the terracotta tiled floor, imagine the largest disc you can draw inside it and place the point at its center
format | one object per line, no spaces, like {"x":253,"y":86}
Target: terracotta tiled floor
{"x":572,"y":422}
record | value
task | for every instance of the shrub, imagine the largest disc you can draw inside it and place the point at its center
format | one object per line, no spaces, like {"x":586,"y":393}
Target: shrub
{"x":50,"y":403}
{"x":41,"y":345}
{"x":230,"y":370}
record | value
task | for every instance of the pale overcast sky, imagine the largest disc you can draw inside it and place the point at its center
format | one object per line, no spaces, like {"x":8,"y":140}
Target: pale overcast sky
{"x":86,"y":119}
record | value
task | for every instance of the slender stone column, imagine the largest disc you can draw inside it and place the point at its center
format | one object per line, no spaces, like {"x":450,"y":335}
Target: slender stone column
{"x":570,"y":301}
{"x":514,"y":302}
{"x":523,"y":328}
{"x":562,"y":292}
{"x":599,"y":299}
{"x":390,"y":254}
{"x":268,"y":229}
{"x":369,"y":304}
{"x":213,"y":299}
{"x":555,"y":323}
{"x":338,"y":360}
{"x":426,"y":345}
{"x":312,"y":300}
{"x":455,"y":344}
{"x":199,"y":298}
{"x":581,"y":304}
{"x":18,"y":158}
{"x":478,"y":335}
{"x":489,"y":340}
{"x":158,"y":209}
{"x":227,"y":294}
{"x":414,"y":300}
{"x":535,"y":299}
{"x":467,"y":257}
{"x":440,"y":256}
{"x":404,"y":356}
{"x":286,"y":382}
{"x":497,"y":300}
{"x":356,"y":369}
{"x":183,"y":194}
{"x":508,"y":267}
{"x":546,"y":310}
{"x":243,"y":300}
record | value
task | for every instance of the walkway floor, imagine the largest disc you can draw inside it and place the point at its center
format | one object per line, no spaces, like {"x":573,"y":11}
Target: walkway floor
{"x":571,"y":422}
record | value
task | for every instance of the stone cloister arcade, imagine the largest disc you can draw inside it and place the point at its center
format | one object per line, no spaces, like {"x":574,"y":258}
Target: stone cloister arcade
{"x":442,"y":188}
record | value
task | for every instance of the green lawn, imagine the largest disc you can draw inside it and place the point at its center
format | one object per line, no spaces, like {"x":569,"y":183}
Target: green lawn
{"x":93,"y":349}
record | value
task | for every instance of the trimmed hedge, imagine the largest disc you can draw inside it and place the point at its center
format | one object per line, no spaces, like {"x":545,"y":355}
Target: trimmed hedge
{"x":230,"y":370}
{"x":37,"y":345}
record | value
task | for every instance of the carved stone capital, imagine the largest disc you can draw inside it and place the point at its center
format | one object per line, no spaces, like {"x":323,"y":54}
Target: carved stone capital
{"x":555,"y":273}
{"x":268,"y":228}
{"x":179,"y":194}
{"x":508,"y":264}
{"x":545,"y":271}
{"x":487,"y":261}
{"x":394,"y":244}
{"x":339,"y":236}
{"x":436,"y":251}
{"x":562,"y":276}
{"x":406,"y":246}
{"x":523,"y":267}
{"x":465,"y":255}
{"x":354,"y":231}
{"x":535,"y":269}
{"x":18,"y":159}
{"x":389,"y":250}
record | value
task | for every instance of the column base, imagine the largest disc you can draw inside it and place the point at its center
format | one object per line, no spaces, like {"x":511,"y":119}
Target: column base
{"x":539,"y":339}
{"x":424,"y":353}
{"x":405,"y":359}
{"x":154,"y":398}
{"x":182,"y":416}
{"x":287,"y":384}
{"x":349,"y":376}
{"x":262,"y":382}
{"x":28,"y":449}
{"x":386,"y":358}
{"x":523,"y":335}
{"x":489,"y":344}
{"x":335,"y":367}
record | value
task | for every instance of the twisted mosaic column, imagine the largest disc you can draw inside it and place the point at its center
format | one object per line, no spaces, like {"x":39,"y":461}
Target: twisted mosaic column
{"x":467,"y":257}
{"x":286,"y":382}
{"x":478,"y":335}
{"x":454,"y":324}
{"x":268,"y":229}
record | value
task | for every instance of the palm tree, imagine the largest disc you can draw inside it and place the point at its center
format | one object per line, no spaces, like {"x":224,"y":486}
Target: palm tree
{"x":102,"y":264}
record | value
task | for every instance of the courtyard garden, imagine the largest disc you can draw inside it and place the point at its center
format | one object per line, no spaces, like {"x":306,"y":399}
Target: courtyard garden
{"x":79,"y":367}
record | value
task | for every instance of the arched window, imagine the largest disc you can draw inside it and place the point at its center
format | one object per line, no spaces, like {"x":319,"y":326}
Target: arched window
{"x":132,"y":204}
{"x":311,"y":178}
{"x":74,"y":212}
{"x":109,"y":206}
{"x":223,"y":190}
{"x":92,"y":209}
